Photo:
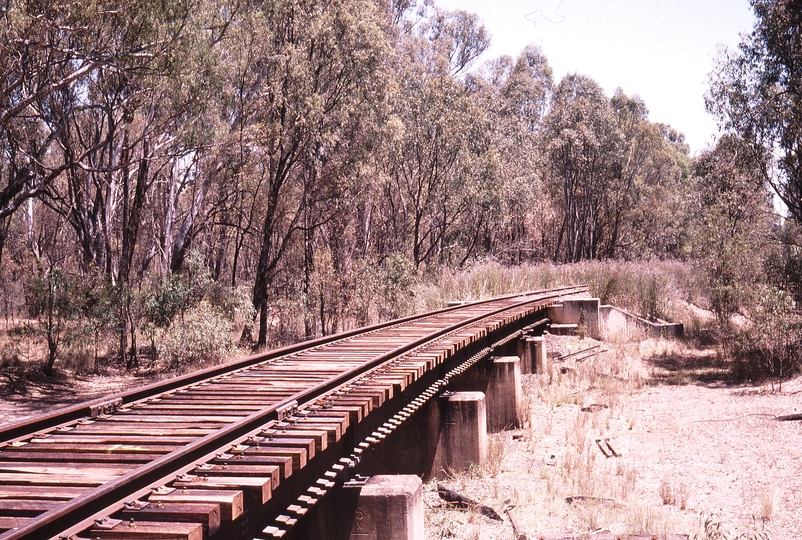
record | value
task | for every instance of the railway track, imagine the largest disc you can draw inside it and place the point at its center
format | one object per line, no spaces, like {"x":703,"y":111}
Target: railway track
{"x":242,"y":450}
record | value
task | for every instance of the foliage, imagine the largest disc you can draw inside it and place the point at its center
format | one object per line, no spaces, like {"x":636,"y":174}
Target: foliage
{"x":397,"y":287}
{"x":772,"y":346}
{"x":610,"y":172}
{"x":163,"y":303}
{"x":177,"y":293}
{"x":325,"y":162}
{"x":733,"y":221}
{"x":56,"y":300}
{"x":99,"y":321}
{"x":756,"y":93}
{"x":193,"y":316}
{"x":203,"y":335}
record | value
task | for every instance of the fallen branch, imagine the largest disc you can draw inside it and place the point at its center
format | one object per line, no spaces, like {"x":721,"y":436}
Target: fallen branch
{"x":457,"y":500}
{"x":576,"y":353}
{"x":515,"y":530}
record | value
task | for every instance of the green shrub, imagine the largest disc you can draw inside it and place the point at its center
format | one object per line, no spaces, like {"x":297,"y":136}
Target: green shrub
{"x":174,"y":294}
{"x":56,"y":300}
{"x":190,"y":319}
{"x":397,"y":287}
{"x":771,"y":347}
{"x":204,"y":334}
{"x":166,"y":300}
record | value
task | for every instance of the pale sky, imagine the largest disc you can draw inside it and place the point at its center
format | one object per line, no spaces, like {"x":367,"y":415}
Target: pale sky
{"x":662,"y":50}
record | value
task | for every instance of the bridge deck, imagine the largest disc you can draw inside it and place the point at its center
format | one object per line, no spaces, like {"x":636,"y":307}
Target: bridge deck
{"x":208,"y":447}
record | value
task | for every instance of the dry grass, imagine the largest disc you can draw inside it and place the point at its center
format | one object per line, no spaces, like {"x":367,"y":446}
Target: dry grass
{"x":496,"y":445}
{"x":518,"y":473}
{"x":674,"y":493}
{"x":768,"y":501}
{"x":665,"y":289}
{"x":555,"y":458}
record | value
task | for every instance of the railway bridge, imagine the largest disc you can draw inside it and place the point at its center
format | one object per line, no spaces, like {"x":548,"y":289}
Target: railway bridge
{"x":293,"y":443}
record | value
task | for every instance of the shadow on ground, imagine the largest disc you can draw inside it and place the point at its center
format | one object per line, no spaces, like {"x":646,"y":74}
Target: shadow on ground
{"x":28,"y":391}
{"x":706,"y":366}
{"x":29,"y":386}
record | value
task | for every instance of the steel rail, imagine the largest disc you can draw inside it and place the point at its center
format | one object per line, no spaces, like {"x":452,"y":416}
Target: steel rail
{"x":57,"y":520}
{"x":71,"y":413}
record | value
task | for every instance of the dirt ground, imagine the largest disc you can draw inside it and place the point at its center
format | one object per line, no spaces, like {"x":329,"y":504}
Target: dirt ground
{"x":697,"y":454}
{"x":26,"y":392}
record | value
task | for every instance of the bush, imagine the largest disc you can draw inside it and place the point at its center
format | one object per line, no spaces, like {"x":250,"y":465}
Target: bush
{"x":166,"y":300}
{"x":771,"y":347}
{"x":177,"y":293}
{"x":56,"y":300}
{"x":204,"y":334}
{"x":397,"y":287}
{"x":194,"y":317}
{"x":100,"y":323}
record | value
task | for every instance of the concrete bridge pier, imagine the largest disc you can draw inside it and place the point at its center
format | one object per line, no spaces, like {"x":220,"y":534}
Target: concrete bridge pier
{"x":448,"y":433}
{"x":381,"y":507}
{"x":499,"y":378}
{"x":539,"y":358}
{"x":389,"y":508}
{"x":463,"y":433}
{"x":504,"y":394}
{"x":532,"y":351}
{"x":524,"y":352}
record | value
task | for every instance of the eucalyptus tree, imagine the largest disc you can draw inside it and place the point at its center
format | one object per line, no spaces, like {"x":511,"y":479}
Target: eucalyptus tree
{"x":435,"y":165}
{"x":618,"y":182}
{"x":657,"y":225}
{"x":42,"y":52}
{"x":641,"y":201}
{"x":733,"y":221}
{"x":581,"y":145}
{"x":526,"y":88}
{"x":639,"y":139}
{"x":97,"y":90}
{"x":516,"y":94}
{"x":756,"y":92}
{"x":304,"y":73}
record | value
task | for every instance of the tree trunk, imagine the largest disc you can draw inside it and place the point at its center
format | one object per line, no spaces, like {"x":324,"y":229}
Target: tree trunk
{"x":183,"y":238}
{"x":132,"y":217}
{"x":263,"y":274}
{"x":52,"y":339}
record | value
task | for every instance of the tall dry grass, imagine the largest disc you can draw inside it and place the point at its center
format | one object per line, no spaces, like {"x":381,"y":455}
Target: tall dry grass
{"x":656,"y":289}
